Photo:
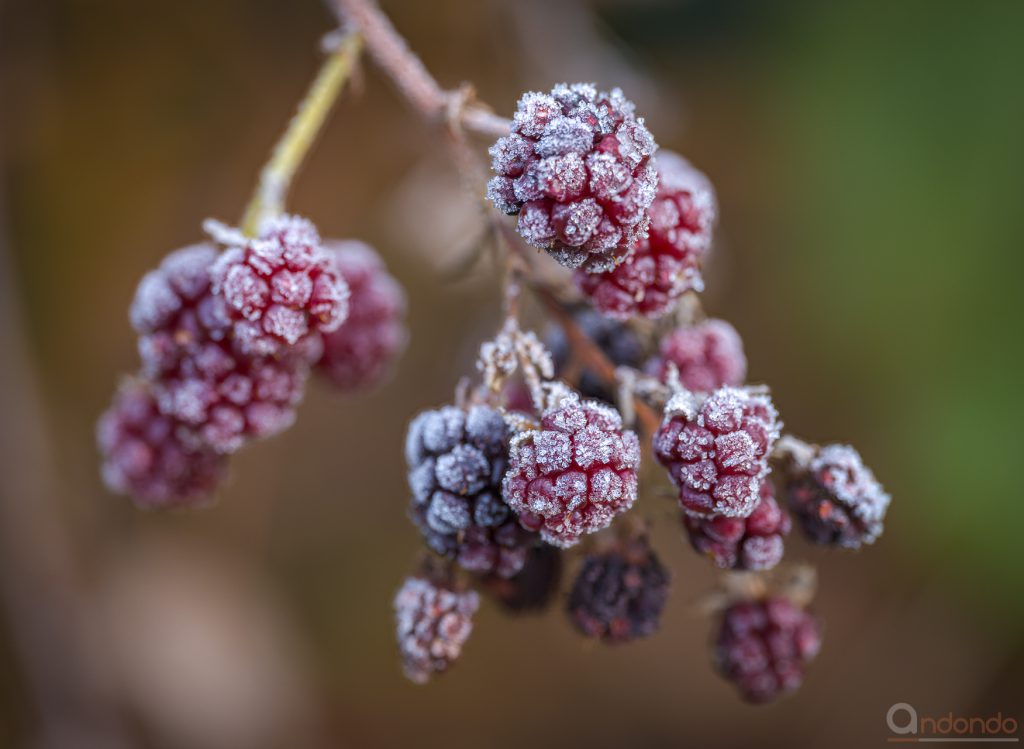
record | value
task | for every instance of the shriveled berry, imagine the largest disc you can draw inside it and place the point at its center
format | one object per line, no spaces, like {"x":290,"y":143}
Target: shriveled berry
{"x":617,"y":341}
{"x":716,"y":451}
{"x":533,"y":587}
{"x":620,"y":593}
{"x":838,"y":500}
{"x":667,"y":262}
{"x":280,"y":287}
{"x":456,"y":462}
{"x":361,"y":352}
{"x":143,"y":456}
{"x":751,"y":543}
{"x":763,"y":647}
{"x":707,"y":356}
{"x":575,"y":473}
{"x":577,"y":169}
{"x":433,"y":622}
{"x":200,"y":377}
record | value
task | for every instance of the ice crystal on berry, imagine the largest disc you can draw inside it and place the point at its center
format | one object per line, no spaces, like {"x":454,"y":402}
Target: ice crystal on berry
{"x":360,"y":352}
{"x":433,"y":622}
{"x":575,"y":473}
{"x":706,"y":356}
{"x":751,"y":543}
{"x":143,"y":456}
{"x":764,"y":646}
{"x":617,"y":341}
{"x":577,"y":169}
{"x":667,"y":262}
{"x":837,"y":499}
{"x":717,"y":451}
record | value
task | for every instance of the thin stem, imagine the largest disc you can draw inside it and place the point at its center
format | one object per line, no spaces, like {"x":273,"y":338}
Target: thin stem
{"x":291,"y":149}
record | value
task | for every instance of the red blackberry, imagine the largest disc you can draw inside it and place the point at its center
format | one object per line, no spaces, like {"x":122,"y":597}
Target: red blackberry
{"x":143,"y":456}
{"x":717,"y":451}
{"x":433,"y":620}
{"x":665,"y":264}
{"x":620,"y":593}
{"x":280,"y":287}
{"x":707,"y":356}
{"x":752,"y":543}
{"x":575,"y":473}
{"x":456,"y":460}
{"x":764,"y":646}
{"x":619,"y":342}
{"x":837,"y":499}
{"x":577,"y":169}
{"x":533,"y":587}
{"x":360,"y":352}
{"x":199,"y":376}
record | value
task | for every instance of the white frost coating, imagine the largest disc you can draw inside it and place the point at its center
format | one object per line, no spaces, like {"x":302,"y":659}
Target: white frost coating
{"x":841,"y":471}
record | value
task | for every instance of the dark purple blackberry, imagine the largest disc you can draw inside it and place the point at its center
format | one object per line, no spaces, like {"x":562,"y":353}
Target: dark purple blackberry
{"x":433,"y":621}
{"x":618,"y":341}
{"x":456,"y":462}
{"x":619,"y":594}
{"x":764,"y":646}
{"x":534,"y":586}
{"x":750,"y":543}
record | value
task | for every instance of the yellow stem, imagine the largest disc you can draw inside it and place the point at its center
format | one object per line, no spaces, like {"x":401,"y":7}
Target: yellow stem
{"x":291,"y":149}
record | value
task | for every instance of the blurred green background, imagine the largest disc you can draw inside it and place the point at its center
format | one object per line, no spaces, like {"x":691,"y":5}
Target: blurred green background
{"x":870,"y":169}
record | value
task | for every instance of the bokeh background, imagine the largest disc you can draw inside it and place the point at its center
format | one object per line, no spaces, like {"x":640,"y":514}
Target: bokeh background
{"x":868,"y":159}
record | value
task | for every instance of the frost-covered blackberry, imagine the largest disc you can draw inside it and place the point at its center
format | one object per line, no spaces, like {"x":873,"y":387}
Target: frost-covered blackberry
{"x":433,"y":621}
{"x":575,"y":473}
{"x":280,"y":287}
{"x":456,"y":462}
{"x":667,"y":262}
{"x":620,"y":593}
{"x":716,"y":450}
{"x":617,"y":341}
{"x":144,"y":458}
{"x":577,"y":169}
{"x":361,"y":352}
{"x":751,"y":543}
{"x":837,"y":499}
{"x":763,"y":647}
{"x":199,"y":375}
{"x":706,"y":356}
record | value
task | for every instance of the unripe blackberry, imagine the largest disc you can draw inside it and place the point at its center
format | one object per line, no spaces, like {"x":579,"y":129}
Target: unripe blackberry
{"x":716,"y":451}
{"x":577,"y":169}
{"x":533,"y":587}
{"x":665,"y":264}
{"x":456,"y":461}
{"x":280,"y":287}
{"x":707,"y":356}
{"x":837,"y":499}
{"x":143,"y":456}
{"x":617,"y":341}
{"x":575,"y":473}
{"x":764,"y":646}
{"x":433,"y":622}
{"x":751,"y":543}
{"x":620,"y":593}
{"x":200,"y":377}
{"x":361,"y":352}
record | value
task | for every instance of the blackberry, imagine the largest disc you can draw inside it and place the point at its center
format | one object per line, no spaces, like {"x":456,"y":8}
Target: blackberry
{"x":665,"y":264}
{"x":717,"y":451}
{"x":575,"y":473}
{"x":837,"y":499}
{"x":433,"y":621}
{"x":577,"y":169}
{"x":456,"y":460}
{"x":280,"y":287}
{"x":707,"y":356}
{"x":360,"y":353}
{"x":751,"y":543}
{"x":620,"y":593}
{"x":533,"y":587}
{"x":619,"y":342}
{"x":199,"y":376}
{"x":764,"y":646}
{"x":144,"y":457}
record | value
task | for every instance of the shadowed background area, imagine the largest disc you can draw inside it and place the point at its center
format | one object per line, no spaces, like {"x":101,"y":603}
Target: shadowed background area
{"x":868,"y":162}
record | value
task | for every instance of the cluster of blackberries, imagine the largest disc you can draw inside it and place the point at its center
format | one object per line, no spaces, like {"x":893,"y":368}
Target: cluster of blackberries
{"x":227,"y":339}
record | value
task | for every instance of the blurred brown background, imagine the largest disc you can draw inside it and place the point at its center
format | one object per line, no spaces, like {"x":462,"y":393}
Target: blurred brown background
{"x":868,"y":159}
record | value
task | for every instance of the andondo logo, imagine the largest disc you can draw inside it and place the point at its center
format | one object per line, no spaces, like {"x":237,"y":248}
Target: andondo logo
{"x":909,"y":727}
